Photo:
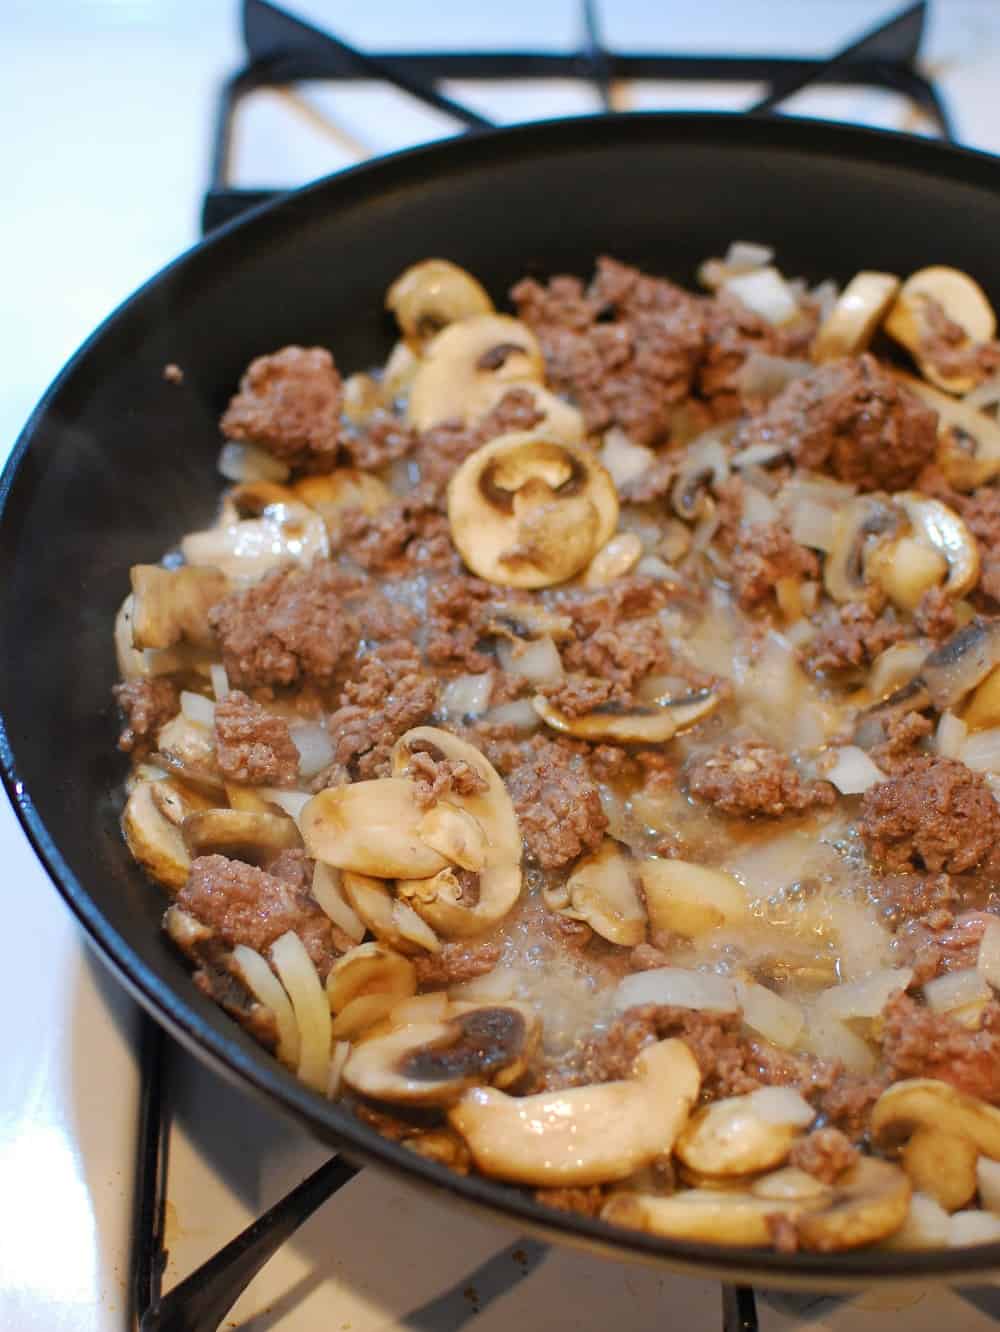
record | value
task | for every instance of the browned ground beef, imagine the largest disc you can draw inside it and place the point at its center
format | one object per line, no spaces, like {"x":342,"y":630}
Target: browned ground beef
{"x":455,"y":623}
{"x":390,"y":693}
{"x":294,"y":867}
{"x":752,"y":777}
{"x":936,"y":616}
{"x":852,"y":637}
{"x":904,"y":733}
{"x":558,"y":809}
{"x":443,"y":447}
{"x":934,"y":814}
{"x":917,"y":1043}
{"x":382,"y":439}
{"x":147,"y":705}
{"x":946,"y":347}
{"x":823,"y":1153}
{"x":289,"y":403}
{"x":409,"y":534}
{"x":456,"y":962}
{"x":852,"y":419}
{"x":981,"y":511}
{"x":290,"y":627}
{"x":436,"y":777}
{"x":765,"y":552}
{"x":906,"y":897}
{"x":245,"y":905}
{"x":252,"y":746}
{"x":576,"y":695}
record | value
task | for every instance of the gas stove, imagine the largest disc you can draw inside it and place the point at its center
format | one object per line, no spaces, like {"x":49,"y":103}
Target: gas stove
{"x":86,"y":1240}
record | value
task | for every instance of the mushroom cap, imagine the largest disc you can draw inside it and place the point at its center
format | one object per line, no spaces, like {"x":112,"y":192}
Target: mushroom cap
{"x":868,"y":1202}
{"x":171,"y":605}
{"x":187,"y":750}
{"x":961,"y":662}
{"x":370,"y":828}
{"x":968,"y":450}
{"x":429,"y":295}
{"x":155,"y":841}
{"x":688,"y":899}
{"x":441,"y":897}
{"x":457,"y":378}
{"x":731,"y":1137}
{"x":530,"y":511}
{"x":859,"y":309}
{"x":433,"y":1063}
{"x":370,"y":968}
{"x":941,"y":1165}
{"x":239,"y":833}
{"x":602,"y":891}
{"x":962,"y":300}
{"x":649,"y":723}
{"x":707,"y":1216}
{"x":858,"y":526}
{"x":586,"y":1135}
{"x":389,"y":918}
{"x":930,"y":1103}
{"x":560,"y":419}
{"x":941,"y":528}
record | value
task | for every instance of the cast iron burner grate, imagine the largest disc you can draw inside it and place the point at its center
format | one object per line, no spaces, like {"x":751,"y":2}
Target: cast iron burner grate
{"x":282,"y":50}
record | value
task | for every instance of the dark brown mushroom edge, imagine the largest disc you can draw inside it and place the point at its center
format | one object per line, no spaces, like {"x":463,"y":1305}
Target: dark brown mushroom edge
{"x":575,"y":744}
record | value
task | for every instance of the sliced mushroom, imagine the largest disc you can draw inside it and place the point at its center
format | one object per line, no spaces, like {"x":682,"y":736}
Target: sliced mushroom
{"x":433,"y":1063}
{"x":706,"y":464}
{"x":691,"y":900}
{"x":961,"y":662}
{"x":530,"y":512}
{"x":155,"y":842}
{"x":457,"y":378}
{"x":983,"y":708}
{"x":187,"y":749}
{"x":171,"y":605}
{"x":941,"y":529}
{"x":961,"y":301}
{"x":239,"y":834}
{"x":587,"y":1135}
{"x":389,"y":918}
{"x":927,"y":1103}
{"x":370,"y":968}
{"x":560,"y":419}
{"x":942,"y":1165}
{"x":708,"y":1216}
{"x":527,"y":621}
{"x":968,"y":450}
{"x":336,"y":492}
{"x":175,"y":801}
{"x":261,"y":527}
{"x":789,"y":1184}
{"x":858,"y":526}
{"x":602,"y":891}
{"x":456,"y":834}
{"x":616,"y":558}
{"x":132,"y":664}
{"x":432,"y":294}
{"x":371,"y":828}
{"x":398,"y":373}
{"x":905,"y":569}
{"x":650,"y":723}
{"x":868,"y":1202}
{"x":859,"y":309}
{"x":731,"y":1137}
{"x":444,"y":900}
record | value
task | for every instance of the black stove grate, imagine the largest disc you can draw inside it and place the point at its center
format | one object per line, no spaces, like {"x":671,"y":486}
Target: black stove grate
{"x":282,"y":50}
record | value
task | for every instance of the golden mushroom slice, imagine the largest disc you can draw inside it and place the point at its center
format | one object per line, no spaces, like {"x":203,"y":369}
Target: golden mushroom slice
{"x":428,"y":296}
{"x":968,"y":451}
{"x":560,"y":419}
{"x":370,"y":828}
{"x":370,"y":972}
{"x":860,"y":526}
{"x":586,"y":1135}
{"x":953,"y":549}
{"x":942,"y":1165}
{"x":239,"y":833}
{"x":171,"y":605}
{"x":434,"y":1063}
{"x":935,"y":302}
{"x":154,"y":840}
{"x":708,"y":1216}
{"x":187,"y":750}
{"x":859,"y":309}
{"x":175,"y":801}
{"x":468,"y":902}
{"x":389,"y":918}
{"x":602,"y":891}
{"x":461,"y":367}
{"x":868,"y":1202}
{"x":743,"y":1135}
{"x":336,"y":492}
{"x":616,"y":558}
{"x":649,"y":723}
{"x":528,"y":511}
{"x":688,"y":899}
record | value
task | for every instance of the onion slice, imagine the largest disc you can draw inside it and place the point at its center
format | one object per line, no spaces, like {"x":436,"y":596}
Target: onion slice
{"x":988,"y":961}
{"x":312,"y":1012}
{"x":329,"y":895}
{"x":265,"y":987}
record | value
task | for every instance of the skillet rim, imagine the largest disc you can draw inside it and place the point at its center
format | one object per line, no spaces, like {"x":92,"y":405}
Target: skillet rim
{"x":258,"y":1072}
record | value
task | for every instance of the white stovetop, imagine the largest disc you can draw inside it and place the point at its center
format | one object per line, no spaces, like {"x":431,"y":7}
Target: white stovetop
{"x":106,"y":106}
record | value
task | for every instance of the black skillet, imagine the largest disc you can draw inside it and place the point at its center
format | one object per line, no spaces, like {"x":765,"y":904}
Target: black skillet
{"x":116,"y":463}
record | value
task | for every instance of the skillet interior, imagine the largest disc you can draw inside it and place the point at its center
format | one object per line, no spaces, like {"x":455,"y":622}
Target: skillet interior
{"x":116,"y":463}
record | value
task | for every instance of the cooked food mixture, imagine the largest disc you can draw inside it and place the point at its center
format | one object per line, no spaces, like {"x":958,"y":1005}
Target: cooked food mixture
{"x":575,"y":744}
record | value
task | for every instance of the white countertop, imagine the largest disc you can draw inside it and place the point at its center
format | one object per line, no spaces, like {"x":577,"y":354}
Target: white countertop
{"x":107,"y":106}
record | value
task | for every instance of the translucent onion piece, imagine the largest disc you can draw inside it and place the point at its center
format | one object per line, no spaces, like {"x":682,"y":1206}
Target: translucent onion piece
{"x":341,"y":1049}
{"x":972,"y":1227}
{"x":864,"y":998}
{"x":853,"y":771}
{"x":266,"y":989}
{"x":623,"y":459}
{"x":775,"y":1018}
{"x":949,"y":738}
{"x":519,"y":714}
{"x":538,"y":661}
{"x":315,"y":747}
{"x":981,"y":752}
{"x":312,"y":1012}
{"x":926,"y":1225}
{"x":328,"y":894}
{"x":246,"y":462}
{"x":765,"y":292}
{"x":829,"y":1038}
{"x":894,"y":667}
{"x":986,"y":394}
{"x":197,"y":708}
{"x":220,"y":681}
{"x":762,"y":375}
{"x":684,"y":989}
{"x":956,"y":989}
{"x":292,"y":802}
{"x":988,"y":961}
{"x":781,"y":1105}
{"x":466,"y":696}
{"x":744,"y":256}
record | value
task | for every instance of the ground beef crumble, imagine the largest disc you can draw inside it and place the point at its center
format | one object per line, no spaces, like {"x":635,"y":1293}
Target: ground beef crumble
{"x":981,"y":512}
{"x":455,"y":963}
{"x":852,"y":638}
{"x":253,"y":746}
{"x":390,"y":693}
{"x":409,"y":534}
{"x":289,"y":403}
{"x":752,"y":777}
{"x":763,"y":554}
{"x":436,"y":778}
{"x":918,"y":1043}
{"x":558,"y":809}
{"x":147,"y":705}
{"x":825,"y":1153}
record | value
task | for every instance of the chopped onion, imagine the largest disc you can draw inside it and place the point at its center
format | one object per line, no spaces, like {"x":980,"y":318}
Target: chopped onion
{"x":988,"y":960}
{"x":292,"y":802}
{"x":811,"y":524}
{"x":341,"y":1050}
{"x":197,"y":708}
{"x":315,"y":747}
{"x":329,"y":895}
{"x":828,"y":1038}
{"x":466,"y":696}
{"x":651,"y":566}
{"x":781,"y":1105}
{"x":894,"y":667}
{"x":764,"y":376}
{"x":756,"y":455}
{"x":776,"y":1019}
{"x":981,"y":751}
{"x":360,"y":1013}
{"x":681,"y":988}
{"x":623,"y":459}
{"x":432,"y":1007}
{"x":495,"y":987}
{"x":956,"y":989}
{"x":988,"y":1183}
{"x":247,"y":463}
{"x":949,"y":738}
{"x":312,"y":1012}
{"x":972,"y":1227}
{"x":265,"y":987}
{"x":864,"y":998}
{"x":926,"y":1225}
{"x":744,"y":256}
{"x":519,"y":714}
{"x":538,"y":661}
{"x":983,"y":395}
{"x":220,"y":681}
{"x":853,"y":771}
{"x":825,"y":295}
{"x":765,"y":292}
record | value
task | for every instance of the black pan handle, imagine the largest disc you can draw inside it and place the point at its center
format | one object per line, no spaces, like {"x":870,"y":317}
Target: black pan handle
{"x":201,"y":1301}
